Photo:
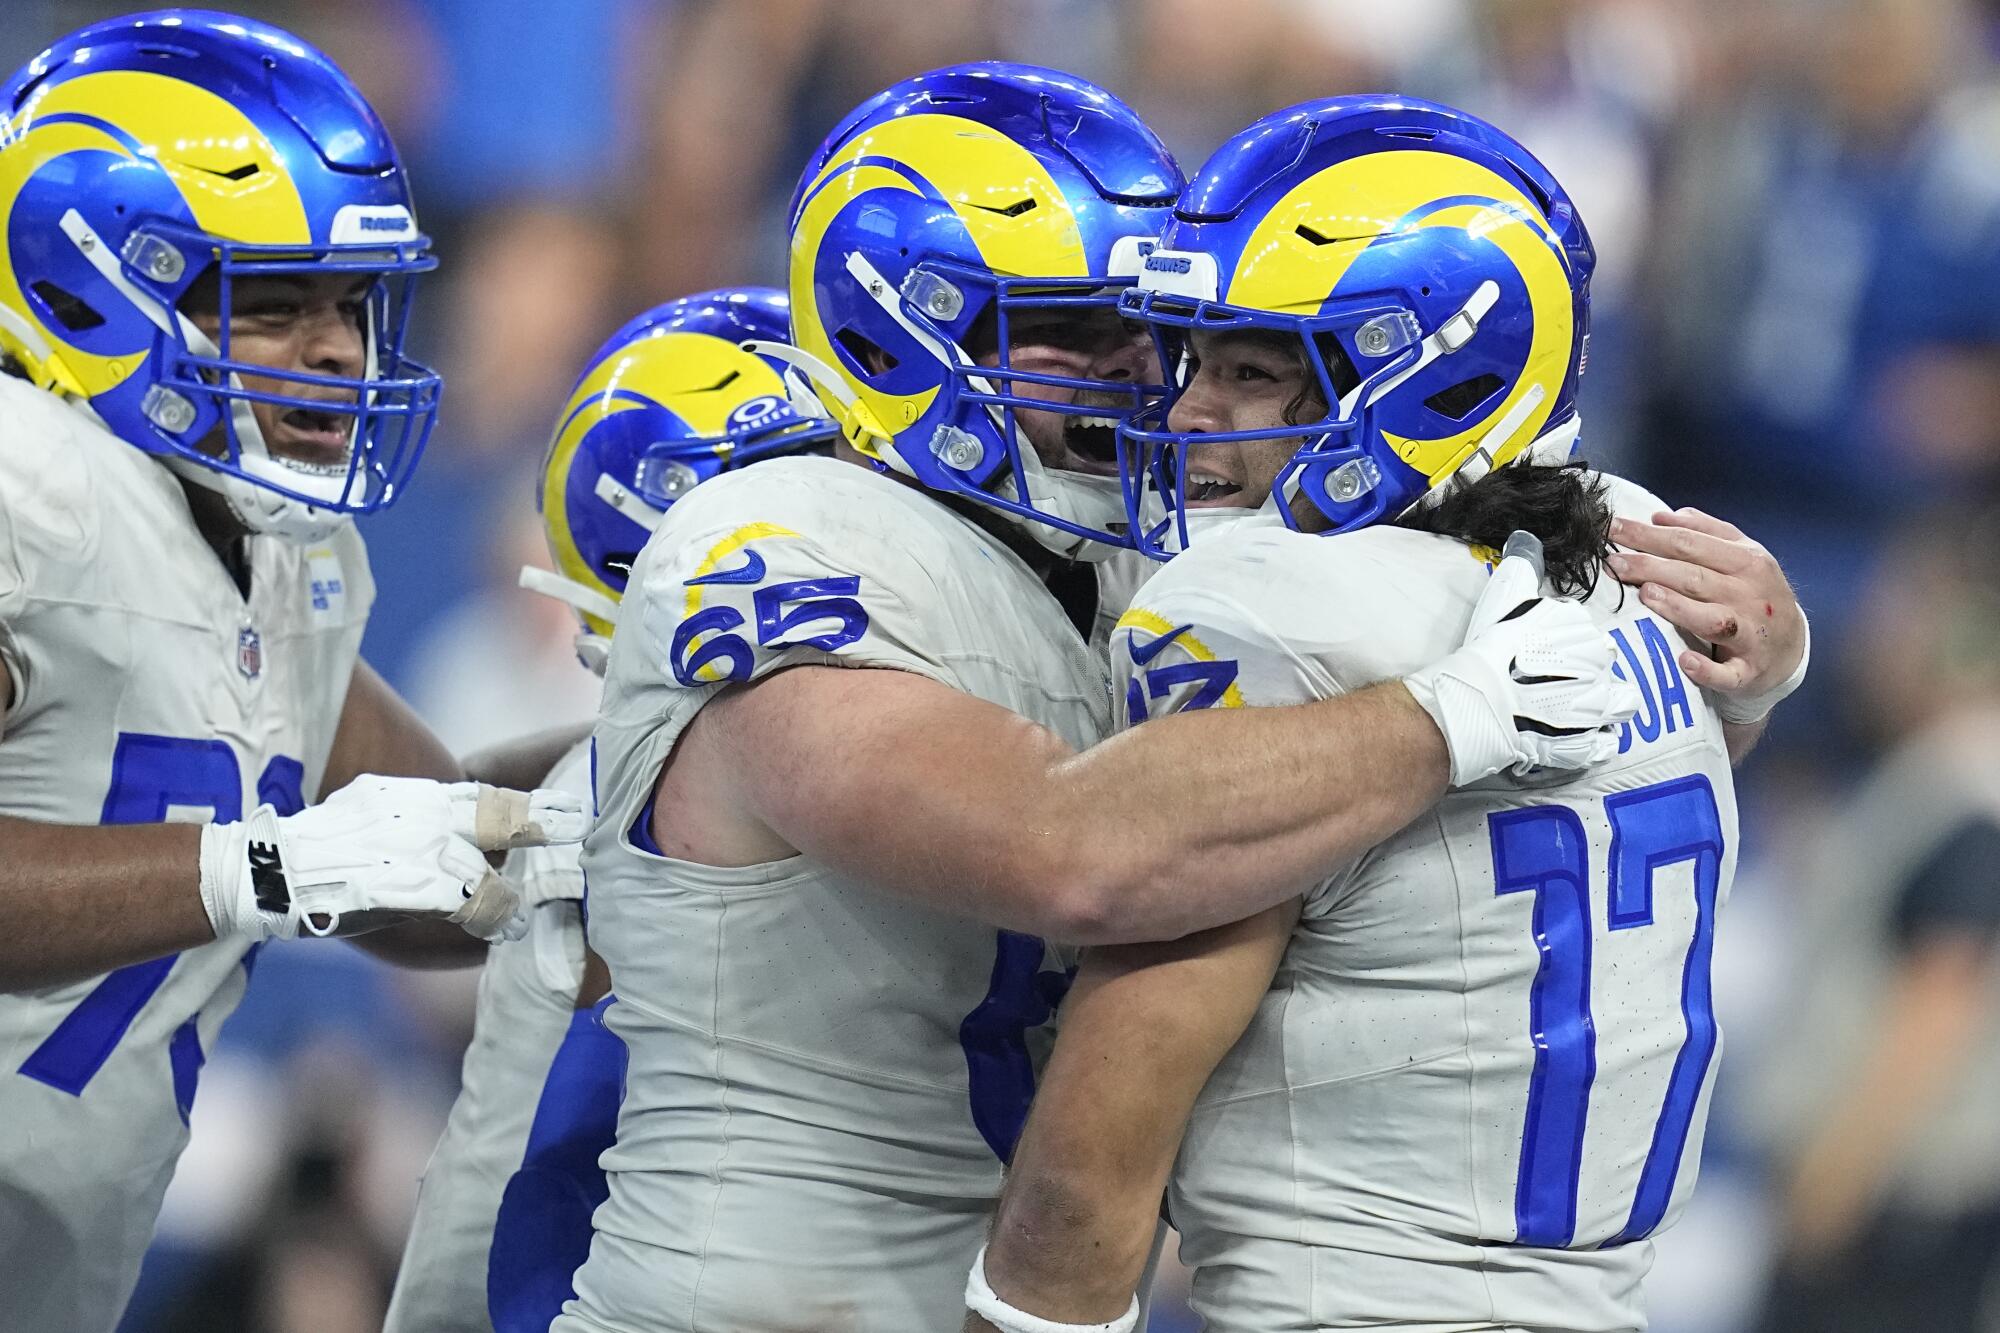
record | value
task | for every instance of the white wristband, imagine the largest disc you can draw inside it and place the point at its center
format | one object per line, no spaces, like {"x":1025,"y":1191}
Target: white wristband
{"x":979,"y":1299}
{"x":1743,"y":710}
{"x":229,"y":877}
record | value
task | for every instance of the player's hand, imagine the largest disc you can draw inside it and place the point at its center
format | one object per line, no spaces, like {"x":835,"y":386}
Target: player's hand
{"x":379,"y":846}
{"x":1715,"y":583}
{"x":1531,"y":687}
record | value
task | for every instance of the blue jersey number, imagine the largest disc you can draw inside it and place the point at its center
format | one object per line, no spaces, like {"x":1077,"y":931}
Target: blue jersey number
{"x":1542,"y":850}
{"x":999,"y":1072}
{"x":150,"y":776}
{"x":782,"y":609}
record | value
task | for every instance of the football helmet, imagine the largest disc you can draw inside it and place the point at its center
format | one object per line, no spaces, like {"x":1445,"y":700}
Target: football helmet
{"x":143,"y":154}
{"x":1435,"y":276}
{"x":669,"y":401}
{"x":933,"y":215}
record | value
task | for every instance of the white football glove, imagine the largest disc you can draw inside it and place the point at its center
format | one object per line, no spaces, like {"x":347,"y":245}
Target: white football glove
{"x":1532,"y":686}
{"x":406,"y":846}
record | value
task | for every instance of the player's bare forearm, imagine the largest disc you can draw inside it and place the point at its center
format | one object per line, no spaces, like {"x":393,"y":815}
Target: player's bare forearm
{"x":1188,"y":822}
{"x":1142,"y":1031}
{"x":1741,"y":738}
{"x":1213,"y":816}
{"x":523,"y":762}
{"x":78,"y":900}
{"x":380,"y":733}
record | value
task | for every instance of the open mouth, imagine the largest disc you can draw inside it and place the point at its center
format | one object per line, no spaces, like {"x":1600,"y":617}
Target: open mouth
{"x":315,"y":439}
{"x":1208,"y":488}
{"x":1092,"y":444}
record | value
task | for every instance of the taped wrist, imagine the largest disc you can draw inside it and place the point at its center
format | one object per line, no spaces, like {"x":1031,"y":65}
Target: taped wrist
{"x":981,"y":1300}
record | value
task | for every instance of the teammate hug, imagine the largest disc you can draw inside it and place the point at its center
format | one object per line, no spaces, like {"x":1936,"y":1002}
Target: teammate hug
{"x":1381,"y":949}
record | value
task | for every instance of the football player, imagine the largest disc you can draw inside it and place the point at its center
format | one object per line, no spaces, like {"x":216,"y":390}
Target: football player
{"x":837,"y":761}
{"x":1460,"y":1080}
{"x":668,"y":402}
{"x":203,"y":290}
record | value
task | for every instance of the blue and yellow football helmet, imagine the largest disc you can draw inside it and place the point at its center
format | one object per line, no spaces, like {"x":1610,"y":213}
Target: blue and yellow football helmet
{"x":1435,"y":274}
{"x":952,"y":203}
{"x":669,"y":401}
{"x":143,"y":154}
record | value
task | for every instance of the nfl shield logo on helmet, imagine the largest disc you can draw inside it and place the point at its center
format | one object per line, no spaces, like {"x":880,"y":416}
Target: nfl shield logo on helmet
{"x":249,"y":652}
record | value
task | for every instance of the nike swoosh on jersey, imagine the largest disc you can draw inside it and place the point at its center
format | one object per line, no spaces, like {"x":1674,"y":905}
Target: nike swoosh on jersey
{"x":1141,"y":656}
{"x":750,"y":571}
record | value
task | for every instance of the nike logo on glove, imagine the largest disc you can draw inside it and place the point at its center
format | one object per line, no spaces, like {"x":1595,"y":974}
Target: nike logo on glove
{"x":1514,"y":674}
{"x":267,"y":878}
{"x":750,"y":571}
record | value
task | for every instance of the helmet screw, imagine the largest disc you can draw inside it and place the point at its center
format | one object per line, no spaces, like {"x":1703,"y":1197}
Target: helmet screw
{"x":87,"y":243}
{"x":166,"y":263}
{"x":960,"y":450}
{"x":167,"y":409}
{"x":1373,"y":339}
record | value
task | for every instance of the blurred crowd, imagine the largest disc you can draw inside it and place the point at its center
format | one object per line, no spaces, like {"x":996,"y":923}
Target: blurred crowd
{"x":1796,"y":205}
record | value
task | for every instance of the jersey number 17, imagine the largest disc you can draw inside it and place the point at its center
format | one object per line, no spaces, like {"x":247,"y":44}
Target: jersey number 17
{"x":1543,"y":850}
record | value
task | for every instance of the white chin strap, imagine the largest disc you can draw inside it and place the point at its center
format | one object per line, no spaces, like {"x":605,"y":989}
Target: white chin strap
{"x":1203,"y":523}
{"x":258,"y":508}
{"x":1075,"y":497}
{"x":593,"y":650}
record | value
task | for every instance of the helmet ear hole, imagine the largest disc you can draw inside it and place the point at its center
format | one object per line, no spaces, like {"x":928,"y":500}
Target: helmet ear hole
{"x":874,"y":359}
{"x":1458,"y":401}
{"x":76,"y":314}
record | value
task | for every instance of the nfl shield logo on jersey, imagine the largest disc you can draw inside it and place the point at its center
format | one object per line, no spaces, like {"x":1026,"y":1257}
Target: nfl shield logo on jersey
{"x":249,"y":652}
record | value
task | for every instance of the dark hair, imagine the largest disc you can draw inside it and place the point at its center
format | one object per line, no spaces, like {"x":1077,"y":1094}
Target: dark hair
{"x":1564,"y":504}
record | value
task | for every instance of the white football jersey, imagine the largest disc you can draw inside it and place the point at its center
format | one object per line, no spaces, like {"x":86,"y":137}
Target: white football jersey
{"x":1480,"y":1078}
{"x":146,"y":687}
{"x":527,"y":993}
{"x":823,"y":1076}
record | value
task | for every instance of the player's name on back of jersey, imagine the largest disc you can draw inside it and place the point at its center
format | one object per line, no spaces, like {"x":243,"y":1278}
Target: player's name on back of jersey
{"x":1649,"y":657}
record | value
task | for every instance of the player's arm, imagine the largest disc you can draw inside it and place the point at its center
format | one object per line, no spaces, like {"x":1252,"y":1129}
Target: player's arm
{"x":1198,"y":819}
{"x":524,"y":760}
{"x":1143,"y":1028}
{"x":380,"y":733}
{"x":1191,"y":821}
{"x":1713,"y":582}
{"x":78,"y":900}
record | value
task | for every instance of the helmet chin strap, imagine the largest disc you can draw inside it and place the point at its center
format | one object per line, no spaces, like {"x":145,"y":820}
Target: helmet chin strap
{"x":858,"y":423}
{"x":1204,"y":520}
{"x":259,"y":508}
{"x":592,"y":649}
